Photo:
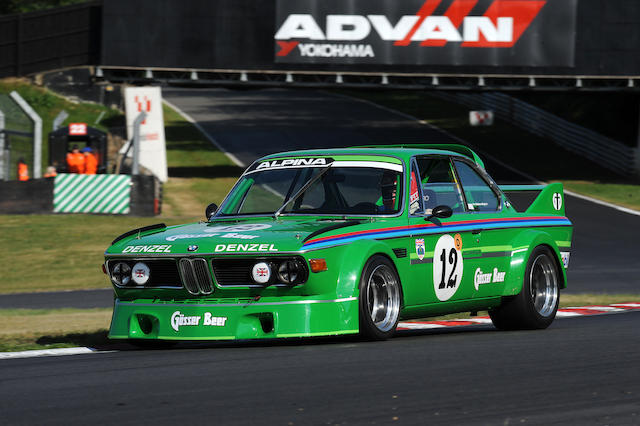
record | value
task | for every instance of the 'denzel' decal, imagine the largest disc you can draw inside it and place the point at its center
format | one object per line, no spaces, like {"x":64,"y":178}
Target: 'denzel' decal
{"x":430,"y":228}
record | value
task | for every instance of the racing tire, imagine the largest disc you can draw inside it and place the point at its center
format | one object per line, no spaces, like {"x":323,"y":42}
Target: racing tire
{"x":380,"y":299}
{"x":536,"y":305}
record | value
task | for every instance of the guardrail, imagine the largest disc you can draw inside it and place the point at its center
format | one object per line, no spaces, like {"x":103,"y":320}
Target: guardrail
{"x":605,"y":151}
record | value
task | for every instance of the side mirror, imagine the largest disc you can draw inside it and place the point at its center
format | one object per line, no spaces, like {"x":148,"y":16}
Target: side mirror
{"x":439,"y":212}
{"x":210,"y":210}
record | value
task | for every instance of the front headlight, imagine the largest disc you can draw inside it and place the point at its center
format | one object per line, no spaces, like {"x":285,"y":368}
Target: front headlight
{"x":290,"y":271}
{"x":121,"y":274}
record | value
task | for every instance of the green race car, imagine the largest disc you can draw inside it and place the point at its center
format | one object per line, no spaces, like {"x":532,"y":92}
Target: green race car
{"x":345,"y":241}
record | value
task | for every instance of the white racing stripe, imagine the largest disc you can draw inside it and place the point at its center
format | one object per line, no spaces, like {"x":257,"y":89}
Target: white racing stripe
{"x":49,"y":352}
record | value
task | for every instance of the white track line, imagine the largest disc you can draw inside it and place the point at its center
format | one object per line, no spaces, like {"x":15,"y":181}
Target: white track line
{"x":205,"y":134}
{"x":48,"y":352}
{"x":488,"y":156}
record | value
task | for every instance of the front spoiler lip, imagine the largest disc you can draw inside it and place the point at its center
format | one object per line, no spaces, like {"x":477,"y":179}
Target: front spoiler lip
{"x":243,"y":319}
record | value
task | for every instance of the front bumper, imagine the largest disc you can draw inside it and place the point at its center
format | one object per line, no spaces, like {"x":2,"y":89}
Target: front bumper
{"x":221,"y":320}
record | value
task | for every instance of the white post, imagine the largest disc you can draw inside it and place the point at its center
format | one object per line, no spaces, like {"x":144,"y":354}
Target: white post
{"x":37,"y":133}
{"x":135,"y":169}
{"x":60,"y":118}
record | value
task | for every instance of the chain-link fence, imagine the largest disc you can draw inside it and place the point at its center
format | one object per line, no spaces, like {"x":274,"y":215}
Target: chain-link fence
{"x":16,"y":139}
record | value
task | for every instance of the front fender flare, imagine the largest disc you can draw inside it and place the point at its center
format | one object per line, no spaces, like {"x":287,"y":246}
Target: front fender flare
{"x":354,"y":258}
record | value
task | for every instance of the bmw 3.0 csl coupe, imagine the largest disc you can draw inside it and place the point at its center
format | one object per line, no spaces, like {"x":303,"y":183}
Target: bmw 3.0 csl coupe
{"x":345,"y":241}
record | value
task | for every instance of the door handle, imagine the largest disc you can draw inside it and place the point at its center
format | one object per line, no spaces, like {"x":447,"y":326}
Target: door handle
{"x":476,"y":231}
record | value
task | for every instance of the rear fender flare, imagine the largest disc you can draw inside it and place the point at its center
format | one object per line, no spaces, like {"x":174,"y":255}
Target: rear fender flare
{"x":531,"y":239}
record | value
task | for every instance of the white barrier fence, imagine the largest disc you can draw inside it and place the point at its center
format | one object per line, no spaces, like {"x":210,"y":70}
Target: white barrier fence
{"x":605,"y":151}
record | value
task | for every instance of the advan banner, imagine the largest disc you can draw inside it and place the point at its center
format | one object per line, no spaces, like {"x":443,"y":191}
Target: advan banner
{"x":426,"y":32}
{"x":153,"y":155}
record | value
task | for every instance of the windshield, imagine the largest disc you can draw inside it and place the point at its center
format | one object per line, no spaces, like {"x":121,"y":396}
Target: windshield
{"x":336,"y":191}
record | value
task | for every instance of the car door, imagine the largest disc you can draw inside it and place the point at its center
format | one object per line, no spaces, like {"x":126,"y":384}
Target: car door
{"x":436,"y":246}
{"x":488,"y":261}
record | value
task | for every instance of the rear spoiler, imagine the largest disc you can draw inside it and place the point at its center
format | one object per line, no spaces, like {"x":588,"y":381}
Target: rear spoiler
{"x":550,"y":200}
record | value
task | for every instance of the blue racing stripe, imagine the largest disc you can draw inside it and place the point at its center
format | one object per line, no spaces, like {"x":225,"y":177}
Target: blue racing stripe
{"x":421,"y":230}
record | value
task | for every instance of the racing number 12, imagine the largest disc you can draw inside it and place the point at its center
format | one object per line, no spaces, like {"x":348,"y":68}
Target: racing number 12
{"x":452,"y":260}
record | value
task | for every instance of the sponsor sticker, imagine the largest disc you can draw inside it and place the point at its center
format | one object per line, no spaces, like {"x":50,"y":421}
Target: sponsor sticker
{"x":245,"y":227}
{"x":153,"y":248}
{"x":480,"y":277}
{"x":457,"y":240}
{"x":414,"y":204}
{"x":420,"y":249}
{"x":565,"y":258}
{"x":294,"y":162}
{"x":245,"y":248}
{"x":227,"y":235}
{"x":557,"y":201}
{"x":180,"y":320}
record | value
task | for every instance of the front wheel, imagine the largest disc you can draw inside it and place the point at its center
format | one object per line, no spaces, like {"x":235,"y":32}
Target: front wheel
{"x":536,"y":305}
{"x":380,"y":299}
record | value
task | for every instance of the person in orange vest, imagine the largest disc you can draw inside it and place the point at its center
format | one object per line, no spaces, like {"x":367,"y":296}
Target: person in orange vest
{"x":90,"y":161}
{"x":23,"y":170}
{"x":75,"y":160}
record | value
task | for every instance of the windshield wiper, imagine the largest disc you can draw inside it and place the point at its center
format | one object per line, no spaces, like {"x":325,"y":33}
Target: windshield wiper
{"x":301,"y":190}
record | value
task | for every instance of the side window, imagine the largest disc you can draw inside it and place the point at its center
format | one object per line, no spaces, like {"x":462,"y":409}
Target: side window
{"x":480,"y":197}
{"x":439,"y":185}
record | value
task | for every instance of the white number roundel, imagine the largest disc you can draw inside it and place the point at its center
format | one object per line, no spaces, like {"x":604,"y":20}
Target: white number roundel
{"x":447,"y":268}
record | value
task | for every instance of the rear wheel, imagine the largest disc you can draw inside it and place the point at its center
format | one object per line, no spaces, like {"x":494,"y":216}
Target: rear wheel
{"x":536,"y":305}
{"x":380,"y":299}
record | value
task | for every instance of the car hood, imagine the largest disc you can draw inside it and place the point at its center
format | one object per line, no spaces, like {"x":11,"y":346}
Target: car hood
{"x":265,"y":236}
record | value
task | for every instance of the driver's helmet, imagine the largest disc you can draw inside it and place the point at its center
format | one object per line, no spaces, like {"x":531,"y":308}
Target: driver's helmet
{"x":388,"y":188}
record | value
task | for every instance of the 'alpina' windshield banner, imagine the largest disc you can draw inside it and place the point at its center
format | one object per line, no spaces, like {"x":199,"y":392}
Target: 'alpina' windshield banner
{"x":427,"y":32}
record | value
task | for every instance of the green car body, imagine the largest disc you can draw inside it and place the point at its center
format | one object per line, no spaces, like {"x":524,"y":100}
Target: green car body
{"x":348,"y":240}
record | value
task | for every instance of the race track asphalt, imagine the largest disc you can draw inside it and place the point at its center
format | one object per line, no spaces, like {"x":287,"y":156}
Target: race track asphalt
{"x":580,"y":371}
{"x":253,"y":123}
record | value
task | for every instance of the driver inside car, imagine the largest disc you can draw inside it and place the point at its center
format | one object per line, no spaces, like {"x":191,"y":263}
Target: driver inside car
{"x":388,"y":191}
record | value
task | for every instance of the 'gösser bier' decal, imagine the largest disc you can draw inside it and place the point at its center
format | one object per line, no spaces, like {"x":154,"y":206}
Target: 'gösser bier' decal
{"x":447,"y":267}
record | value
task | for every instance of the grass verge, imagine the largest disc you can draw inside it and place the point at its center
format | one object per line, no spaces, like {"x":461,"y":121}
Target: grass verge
{"x":28,"y":329}
{"x":31,"y":329}
{"x":526,"y":152}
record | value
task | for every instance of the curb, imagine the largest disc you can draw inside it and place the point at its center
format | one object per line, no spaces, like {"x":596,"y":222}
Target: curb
{"x":572,"y":312}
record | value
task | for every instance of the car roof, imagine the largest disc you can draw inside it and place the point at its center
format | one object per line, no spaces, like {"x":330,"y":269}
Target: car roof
{"x":405,"y":151}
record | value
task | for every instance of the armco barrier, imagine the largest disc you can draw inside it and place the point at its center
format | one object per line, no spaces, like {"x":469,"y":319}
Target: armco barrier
{"x":68,"y":193}
{"x":605,"y":151}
